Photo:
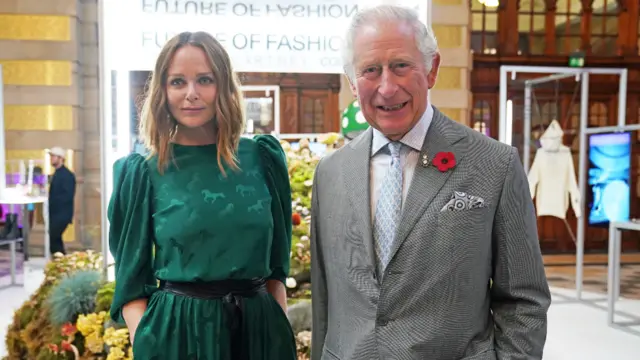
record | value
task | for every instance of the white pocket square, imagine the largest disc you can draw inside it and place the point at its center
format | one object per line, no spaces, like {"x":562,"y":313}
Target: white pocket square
{"x":463,"y":201}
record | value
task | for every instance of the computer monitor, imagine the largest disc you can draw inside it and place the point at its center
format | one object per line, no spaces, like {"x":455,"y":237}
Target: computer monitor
{"x":609,"y":191}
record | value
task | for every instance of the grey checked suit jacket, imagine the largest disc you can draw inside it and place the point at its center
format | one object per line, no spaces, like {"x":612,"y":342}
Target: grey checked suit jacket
{"x":435,"y":301}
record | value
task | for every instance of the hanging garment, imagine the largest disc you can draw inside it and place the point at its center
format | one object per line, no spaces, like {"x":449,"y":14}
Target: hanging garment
{"x":552,"y":178}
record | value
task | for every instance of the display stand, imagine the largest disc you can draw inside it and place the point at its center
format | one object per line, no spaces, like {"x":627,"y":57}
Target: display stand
{"x":13,"y":264}
{"x":14,"y":199}
{"x":615,"y":253}
{"x":582,"y":75}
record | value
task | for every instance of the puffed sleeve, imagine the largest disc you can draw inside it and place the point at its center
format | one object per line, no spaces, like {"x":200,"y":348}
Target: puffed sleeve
{"x":277,"y":177}
{"x":130,"y":233}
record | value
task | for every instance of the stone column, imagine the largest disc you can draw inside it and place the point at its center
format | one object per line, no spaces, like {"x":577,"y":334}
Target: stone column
{"x":88,"y":61}
{"x":450,"y":22}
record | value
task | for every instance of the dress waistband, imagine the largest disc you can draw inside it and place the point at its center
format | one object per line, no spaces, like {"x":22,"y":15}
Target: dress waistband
{"x":220,"y":289}
{"x":232,"y":293}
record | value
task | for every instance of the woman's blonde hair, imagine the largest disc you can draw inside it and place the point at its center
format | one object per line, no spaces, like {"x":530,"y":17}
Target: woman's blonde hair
{"x":158,"y":126}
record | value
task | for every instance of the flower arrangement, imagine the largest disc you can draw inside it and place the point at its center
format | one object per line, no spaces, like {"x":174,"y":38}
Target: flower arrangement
{"x":301,"y":163}
{"x":68,"y":331}
{"x":104,"y":340}
{"x":303,"y":345}
{"x":90,"y":338}
{"x":31,"y":331}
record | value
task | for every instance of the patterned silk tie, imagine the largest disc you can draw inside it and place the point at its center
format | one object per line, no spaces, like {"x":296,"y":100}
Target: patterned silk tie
{"x":388,"y":208}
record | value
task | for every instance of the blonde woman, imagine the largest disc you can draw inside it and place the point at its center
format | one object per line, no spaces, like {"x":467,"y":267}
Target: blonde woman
{"x":201,"y":228}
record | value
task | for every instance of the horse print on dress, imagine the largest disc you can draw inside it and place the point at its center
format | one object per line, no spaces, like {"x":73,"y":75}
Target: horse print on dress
{"x":195,"y":183}
{"x":245,"y":190}
{"x":257,"y":207}
{"x":194,"y":218}
{"x":186,"y":255}
{"x":228,"y":210}
{"x":159,"y":224}
{"x":163,"y":191}
{"x":174,"y":243}
{"x":176,"y":202}
{"x":211,"y":197}
{"x":254,"y":173}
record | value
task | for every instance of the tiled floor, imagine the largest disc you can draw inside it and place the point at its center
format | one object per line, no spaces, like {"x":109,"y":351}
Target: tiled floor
{"x":577,"y":330}
{"x":561,"y":273}
{"x":5,"y":261}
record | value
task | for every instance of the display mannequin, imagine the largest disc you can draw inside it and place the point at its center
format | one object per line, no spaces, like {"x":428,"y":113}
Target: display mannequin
{"x":552,"y":178}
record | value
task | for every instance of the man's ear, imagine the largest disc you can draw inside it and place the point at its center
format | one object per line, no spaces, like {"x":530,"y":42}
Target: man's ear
{"x":433,"y":74}
{"x":352,"y":86}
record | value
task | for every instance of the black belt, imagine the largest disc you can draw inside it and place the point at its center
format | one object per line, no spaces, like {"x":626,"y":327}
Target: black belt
{"x":232,"y":294}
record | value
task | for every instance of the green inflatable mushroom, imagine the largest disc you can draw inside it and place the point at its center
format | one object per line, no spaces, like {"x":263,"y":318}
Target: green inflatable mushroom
{"x":353,"y":121}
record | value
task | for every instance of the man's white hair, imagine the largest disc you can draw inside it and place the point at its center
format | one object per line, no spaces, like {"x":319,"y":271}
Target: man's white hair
{"x":425,"y":39}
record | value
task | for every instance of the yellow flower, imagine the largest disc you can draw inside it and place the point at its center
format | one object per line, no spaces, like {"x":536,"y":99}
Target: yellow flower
{"x":118,"y":338}
{"x":90,"y":323}
{"x":94,"y":343}
{"x":116,"y":353}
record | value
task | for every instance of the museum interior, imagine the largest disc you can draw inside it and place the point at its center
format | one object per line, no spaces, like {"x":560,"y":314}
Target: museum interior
{"x":559,"y":80}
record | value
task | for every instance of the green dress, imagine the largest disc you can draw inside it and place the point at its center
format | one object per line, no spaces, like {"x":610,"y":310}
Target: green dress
{"x":194,"y":224}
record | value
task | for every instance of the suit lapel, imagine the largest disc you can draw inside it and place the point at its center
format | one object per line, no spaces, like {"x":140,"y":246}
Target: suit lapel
{"x":427,"y":181}
{"x":356,"y":174}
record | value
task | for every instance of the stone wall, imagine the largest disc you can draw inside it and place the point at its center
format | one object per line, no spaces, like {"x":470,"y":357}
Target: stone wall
{"x":450,"y":20}
{"x":48,"y":50}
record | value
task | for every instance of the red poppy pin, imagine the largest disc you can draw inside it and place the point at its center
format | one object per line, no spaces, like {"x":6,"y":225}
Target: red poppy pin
{"x":444,"y":161}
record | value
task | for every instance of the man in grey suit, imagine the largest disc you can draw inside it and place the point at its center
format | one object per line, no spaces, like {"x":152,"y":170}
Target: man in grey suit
{"x":424,"y":240}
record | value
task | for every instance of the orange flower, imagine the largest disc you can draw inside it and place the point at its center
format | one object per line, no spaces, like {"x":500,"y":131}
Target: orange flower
{"x":296,"y":219}
{"x":66,"y":346}
{"x":68,"y":329}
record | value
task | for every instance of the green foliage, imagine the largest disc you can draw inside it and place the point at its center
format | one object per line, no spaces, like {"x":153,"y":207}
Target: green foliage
{"x":105,"y":297}
{"x":74,"y":295}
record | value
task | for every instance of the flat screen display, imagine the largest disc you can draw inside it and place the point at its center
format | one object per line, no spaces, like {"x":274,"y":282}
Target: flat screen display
{"x":609,"y":191}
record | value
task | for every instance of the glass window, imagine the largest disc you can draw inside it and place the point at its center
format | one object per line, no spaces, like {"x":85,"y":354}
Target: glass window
{"x":604,"y":28}
{"x":531,"y":27}
{"x":484,"y":28}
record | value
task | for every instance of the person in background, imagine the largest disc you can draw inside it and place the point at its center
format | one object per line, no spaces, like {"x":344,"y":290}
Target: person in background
{"x":423,"y":234}
{"x":201,"y":227}
{"x":62,"y":192}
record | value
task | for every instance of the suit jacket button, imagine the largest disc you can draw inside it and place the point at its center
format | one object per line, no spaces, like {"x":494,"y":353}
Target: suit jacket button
{"x":382,"y":322}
